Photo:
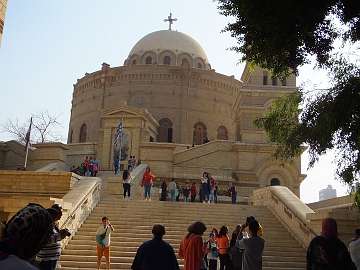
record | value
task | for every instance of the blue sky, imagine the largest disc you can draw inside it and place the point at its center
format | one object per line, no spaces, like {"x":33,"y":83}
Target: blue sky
{"x":48,"y":45}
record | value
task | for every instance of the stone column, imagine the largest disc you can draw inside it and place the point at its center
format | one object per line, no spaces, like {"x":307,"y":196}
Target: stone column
{"x":106,"y":148}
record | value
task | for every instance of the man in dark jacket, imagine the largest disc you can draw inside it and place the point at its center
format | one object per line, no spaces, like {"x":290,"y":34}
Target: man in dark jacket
{"x":155,"y":254}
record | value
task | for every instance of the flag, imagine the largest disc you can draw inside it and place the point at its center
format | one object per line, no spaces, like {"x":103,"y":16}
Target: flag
{"x":118,"y":133}
{"x":27,"y":136}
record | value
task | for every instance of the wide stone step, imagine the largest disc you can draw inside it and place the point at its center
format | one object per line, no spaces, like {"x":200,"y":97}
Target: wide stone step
{"x":133,"y":221}
{"x":129,"y":258}
{"x":137,"y":243}
{"x":146,"y":234}
{"x":241,"y":216}
{"x":285,"y":255}
{"x":127,"y":265}
{"x":172,"y":239}
{"x":92,"y":246}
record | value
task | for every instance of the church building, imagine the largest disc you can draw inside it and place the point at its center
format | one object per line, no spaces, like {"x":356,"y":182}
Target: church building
{"x":180,"y":116}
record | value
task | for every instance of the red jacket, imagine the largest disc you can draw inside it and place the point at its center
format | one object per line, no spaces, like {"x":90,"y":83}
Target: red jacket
{"x":193,"y":190}
{"x":193,"y":251}
{"x":148,"y":179}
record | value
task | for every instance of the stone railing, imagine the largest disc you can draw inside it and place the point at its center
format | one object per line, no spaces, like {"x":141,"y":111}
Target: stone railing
{"x":136,"y":178}
{"x":289,"y":210}
{"x":78,"y":203}
{"x":202,"y":150}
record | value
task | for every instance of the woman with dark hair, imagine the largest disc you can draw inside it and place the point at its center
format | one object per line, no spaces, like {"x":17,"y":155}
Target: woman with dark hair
{"x":235,"y":253}
{"x":163,"y":195}
{"x":223,"y":246}
{"x":192,"y":248}
{"x":24,"y":235}
{"x":204,"y":191}
{"x":253,"y":247}
{"x":147,"y":182}
{"x":126,"y":183}
{"x":327,"y":251}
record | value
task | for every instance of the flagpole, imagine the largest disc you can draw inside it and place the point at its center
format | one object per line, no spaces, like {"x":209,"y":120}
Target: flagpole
{"x":26,"y":157}
{"x":27,"y":144}
{"x":120,"y":138}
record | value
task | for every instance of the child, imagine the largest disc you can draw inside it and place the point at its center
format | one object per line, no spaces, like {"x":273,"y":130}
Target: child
{"x":212,"y":252}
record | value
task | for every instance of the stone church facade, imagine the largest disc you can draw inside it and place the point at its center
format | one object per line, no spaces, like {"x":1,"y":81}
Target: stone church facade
{"x":180,"y":116}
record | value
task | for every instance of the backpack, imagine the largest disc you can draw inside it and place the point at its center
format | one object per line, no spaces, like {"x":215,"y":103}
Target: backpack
{"x":213,"y":250}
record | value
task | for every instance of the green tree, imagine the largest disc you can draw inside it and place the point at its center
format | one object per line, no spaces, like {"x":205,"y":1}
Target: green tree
{"x":280,"y":36}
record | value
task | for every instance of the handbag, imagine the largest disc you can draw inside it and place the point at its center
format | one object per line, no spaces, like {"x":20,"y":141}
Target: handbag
{"x":100,"y":238}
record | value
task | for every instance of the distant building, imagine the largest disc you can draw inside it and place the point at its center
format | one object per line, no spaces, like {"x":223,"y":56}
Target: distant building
{"x":327,"y":193}
{"x":2,"y":16}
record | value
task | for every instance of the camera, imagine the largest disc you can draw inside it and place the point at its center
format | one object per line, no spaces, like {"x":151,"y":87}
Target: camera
{"x":66,"y":232}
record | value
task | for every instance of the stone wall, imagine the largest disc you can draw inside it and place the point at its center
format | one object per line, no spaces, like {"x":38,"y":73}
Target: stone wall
{"x":334,"y":202}
{"x":77,"y":152}
{"x":12,"y":155}
{"x":250,"y":166}
{"x":185,"y":97}
{"x":18,"y":188}
{"x":45,"y":153}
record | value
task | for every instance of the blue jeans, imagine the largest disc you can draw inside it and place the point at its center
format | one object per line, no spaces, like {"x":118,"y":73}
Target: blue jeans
{"x":147,"y":189}
{"x":233,"y":198}
{"x":211,"y":197}
{"x":172,"y":195}
{"x":205,"y":191}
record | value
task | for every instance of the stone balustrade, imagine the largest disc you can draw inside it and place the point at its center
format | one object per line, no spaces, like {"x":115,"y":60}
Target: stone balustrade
{"x":53,"y":183}
{"x":78,"y":203}
{"x":136,"y":178}
{"x":289,"y":210}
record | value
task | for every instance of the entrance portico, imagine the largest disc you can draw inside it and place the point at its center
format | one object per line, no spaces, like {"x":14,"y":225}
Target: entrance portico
{"x":138,"y":126}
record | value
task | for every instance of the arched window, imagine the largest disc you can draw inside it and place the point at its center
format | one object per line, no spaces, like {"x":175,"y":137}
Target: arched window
{"x":83,"y":133}
{"x":165,"y":132}
{"x":71,"y":136}
{"x":134,"y":62}
{"x":167,"y":60}
{"x":265,"y":78}
{"x":274,"y":182}
{"x":222,"y":133}
{"x":283,"y":82}
{"x":185,"y":63}
{"x":200,"y":134}
{"x":274,"y":81}
{"x":199,"y":65}
{"x":148,"y":60}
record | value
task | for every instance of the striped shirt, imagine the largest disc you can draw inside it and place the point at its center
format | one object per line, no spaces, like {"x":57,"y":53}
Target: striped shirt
{"x":52,"y":250}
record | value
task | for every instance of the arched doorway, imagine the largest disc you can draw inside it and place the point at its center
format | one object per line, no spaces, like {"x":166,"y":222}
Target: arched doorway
{"x":165,"y":131}
{"x":200,"y":134}
{"x":222,"y":133}
{"x":83,"y":133}
{"x":70,"y":140}
{"x":185,"y":63}
{"x":274,"y":182}
{"x":148,"y":60}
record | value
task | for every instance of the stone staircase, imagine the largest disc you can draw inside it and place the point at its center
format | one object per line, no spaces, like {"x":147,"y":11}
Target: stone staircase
{"x":133,"y":221}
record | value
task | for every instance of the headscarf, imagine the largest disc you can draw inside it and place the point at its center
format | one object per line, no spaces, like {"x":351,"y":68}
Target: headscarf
{"x":27,"y":231}
{"x":329,"y":228}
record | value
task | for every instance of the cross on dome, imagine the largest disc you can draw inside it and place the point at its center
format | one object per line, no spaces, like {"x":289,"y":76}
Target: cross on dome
{"x":171,"y":20}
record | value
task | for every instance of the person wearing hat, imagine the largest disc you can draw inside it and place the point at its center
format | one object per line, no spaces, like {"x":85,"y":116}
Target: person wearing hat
{"x":24,"y":235}
{"x":156,"y":253}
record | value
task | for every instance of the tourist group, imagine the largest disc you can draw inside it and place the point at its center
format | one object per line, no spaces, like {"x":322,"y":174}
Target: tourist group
{"x":31,"y":240}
